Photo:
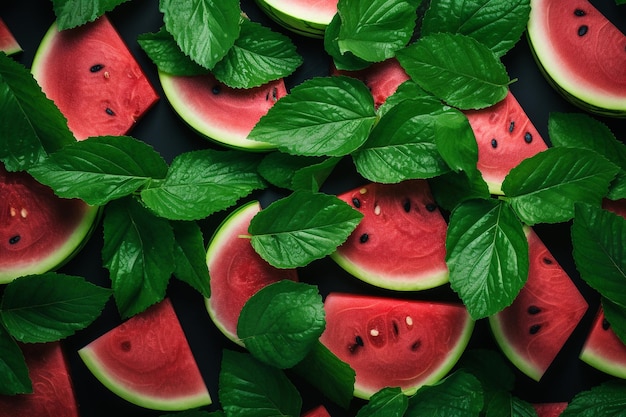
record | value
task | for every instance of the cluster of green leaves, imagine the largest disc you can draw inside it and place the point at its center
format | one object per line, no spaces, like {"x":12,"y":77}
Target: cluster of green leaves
{"x":39,"y":309}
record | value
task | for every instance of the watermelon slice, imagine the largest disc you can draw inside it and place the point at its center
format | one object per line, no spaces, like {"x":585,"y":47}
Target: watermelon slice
{"x":8,"y":43}
{"x":581,"y":53}
{"x":220,"y":113}
{"x":533,"y":329}
{"x":148,"y":362}
{"x":550,"y":409}
{"x":237,"y":272}
{"x":38,"y":230}
{"x":93,"y":78}
{"x":505,"y":136}
{"x":304,"y":17}
{"x":603,"y":349}
{"x":382,"y":78}
{"x":400,"y":242}
{"x":393,"y":342}
{"x":53,"y":393}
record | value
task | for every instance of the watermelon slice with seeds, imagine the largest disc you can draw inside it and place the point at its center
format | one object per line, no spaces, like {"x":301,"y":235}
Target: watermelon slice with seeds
{"x":8,"y":43}
{"x":400,"y":242}
{"x":394,"y":342}
{"x":53,"y":392}
{"x":505,"y":136}
{"x":237,"y":271}
{"x":147,"y":361}
{"x":581,"y":53}
{"x":93,"y":78}
{"x":533,"y":329}
{"x":304,"y":17}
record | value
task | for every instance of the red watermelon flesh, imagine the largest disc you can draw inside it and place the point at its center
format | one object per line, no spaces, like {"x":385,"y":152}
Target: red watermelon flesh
{"x":400,"y":242}
{"x":603,"y":349}
{"x":581,"y":52}
{"x":616,"y":206}
{"x":8,"y":43}
{"x":533,"y":329}
{"x":93,"y":78}
{"x":236,"y":270}
{"x":550,"y":409}
{"x":382,"y":78}
{"x":147,"y":361}
{"x":38,"y":230}
{"x":505,"y":136}
{"x":319,"y":411}
{"x":393,"y":342}
{"x":218,"y":112}
{"x":53,"y":394}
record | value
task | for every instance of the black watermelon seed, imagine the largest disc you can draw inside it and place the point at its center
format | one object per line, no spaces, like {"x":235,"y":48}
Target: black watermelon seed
{"x":364,"y":237}
{"x":407,"y":205}
{"x":534,"y":329}
{"x":416,"y":345}
{"x":431,"y":207}
{"x":96,"y":68}
{"x":14,"y":239}
{"x":356,"y":202}
{"x":216,"y":89}
{"x":109,"y":112}
{"x":512,"y":126}
{"x":605,"y":324}
{"x":534,"y":310}
{"x":547,"y":261}
{"x":359,"y":341}
{"x":396,"y":329}
{"x":494,"y":143}
{"x":125,"y":345}
{"x":528,"y":137}
{"x":582,"y":31}
{"x":579,"y":12}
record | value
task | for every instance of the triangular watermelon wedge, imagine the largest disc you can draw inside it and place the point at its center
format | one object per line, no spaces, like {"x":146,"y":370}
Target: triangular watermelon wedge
{"x":148,"y":362}
{"x":8,"y":43}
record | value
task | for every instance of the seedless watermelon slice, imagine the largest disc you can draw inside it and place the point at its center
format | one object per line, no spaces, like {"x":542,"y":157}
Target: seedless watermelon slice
{"x":304,"y":17}
{"x":92,"y":77}
{"x":8,"y":43}
{"x":393,"y":342}
{"x":220,"y":113}
{"x":38,"y":230}
{"x":148,"y":362}
{"x":581,"y":53}
{"x":533,"y":329}
{"x":53,"y":392}
{"x":400,"y":242}
{"x":237,"y":272}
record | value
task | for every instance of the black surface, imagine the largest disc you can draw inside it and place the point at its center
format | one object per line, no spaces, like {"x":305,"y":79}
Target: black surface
{"x":29,"y":20}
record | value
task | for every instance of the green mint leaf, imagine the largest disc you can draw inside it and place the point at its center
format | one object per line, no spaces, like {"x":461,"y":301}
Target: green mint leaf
{"x":607,"y":400}
{"x":580,"y":130}
{"x":258,"y":56}
{"x":498,"y":24}
{"x":323,"y":116}
{"x":73,"y":13}
{"x":374,"y":30}
{"x":138,"y":252}
{"x":454,"y":188}
{"x":190,"y":256}
{"x":616,"y":316}
{"x":599,"y":250}
{"x":295,"y":172}
{"x":402,"y":145}
{"x":200,"y":183}
{"x":298,"y":229}
{"x":312,"y":177}
{"x":408,"y":90}
{"x":504,"y":404}
{"x":456,"y":68}
{"x":487,"y":253}
{"x":100,"y":169}
{"x":459,"y":394}
{"x":456,"y":142}
{"x":31,"y":124}
{"x":491,"y":369}
{"x":15,"y":377}
{"x":544,"y":188}
{"x":280,"y":323}
{"x":203,"y":29}
{"x":330,"y":375}
{"x":250,"y":388}
{"x":388,"y":402}
{"x":162,"y":49}
{"x":342,"y":60}
{"x":50,"y":307}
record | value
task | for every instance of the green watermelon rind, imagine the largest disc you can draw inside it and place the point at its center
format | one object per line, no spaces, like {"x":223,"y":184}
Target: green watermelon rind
{"x":548,"y":65}
{"x":444,"y":368}
{"x":201,"y":125}
{"x":599,"y":362}
{"x":223,"y":233}
{"x":62,"y":254}
{"x":410,"y":283}
{"x":311,"y":26}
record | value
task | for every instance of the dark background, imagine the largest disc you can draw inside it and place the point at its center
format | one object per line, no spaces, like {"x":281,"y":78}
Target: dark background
{"x":160,"y":127}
